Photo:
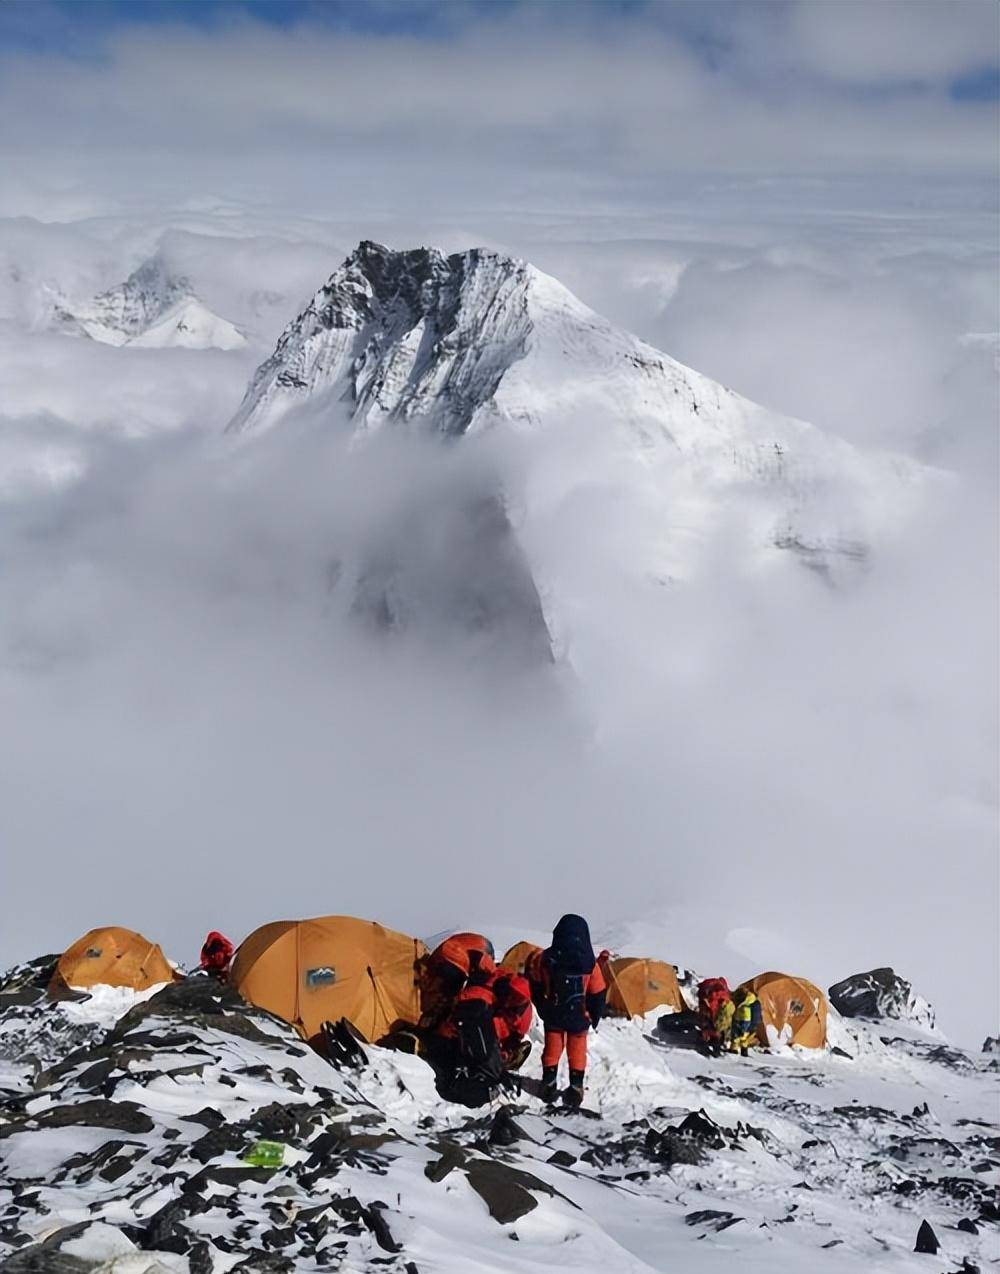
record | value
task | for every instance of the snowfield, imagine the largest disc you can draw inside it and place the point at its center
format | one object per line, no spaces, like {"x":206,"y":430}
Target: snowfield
{"x":122,"y":1143}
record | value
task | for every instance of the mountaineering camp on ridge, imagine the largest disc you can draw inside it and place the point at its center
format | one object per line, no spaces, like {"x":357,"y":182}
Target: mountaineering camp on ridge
{"x":339,"y":981}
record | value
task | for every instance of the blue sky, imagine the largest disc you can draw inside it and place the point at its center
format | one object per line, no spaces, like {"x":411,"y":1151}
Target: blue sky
{"x":712,"y":31}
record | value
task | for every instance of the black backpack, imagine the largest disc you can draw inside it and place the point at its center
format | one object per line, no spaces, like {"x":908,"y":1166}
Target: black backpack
{"x":566,"y":991}
{"x":478,"y":1050}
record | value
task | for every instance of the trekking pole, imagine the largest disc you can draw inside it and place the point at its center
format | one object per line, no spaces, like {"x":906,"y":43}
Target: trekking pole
{"x":378,"y":996}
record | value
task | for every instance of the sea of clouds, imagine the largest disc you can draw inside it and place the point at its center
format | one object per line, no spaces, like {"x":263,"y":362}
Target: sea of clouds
{"x":194,"y":729}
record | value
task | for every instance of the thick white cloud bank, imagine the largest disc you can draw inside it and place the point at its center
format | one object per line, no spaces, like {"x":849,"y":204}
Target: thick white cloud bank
{"x":193,"y":732}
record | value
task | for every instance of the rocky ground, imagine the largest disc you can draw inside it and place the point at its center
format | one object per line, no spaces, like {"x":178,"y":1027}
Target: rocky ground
{"x":125,"y":1126}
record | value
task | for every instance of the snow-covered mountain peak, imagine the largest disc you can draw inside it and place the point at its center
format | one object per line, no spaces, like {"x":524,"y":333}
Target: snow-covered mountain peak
{"x":450,"y":346}
{"x":477,"y":339}
{"x":144,"y":297}
{"x":410,"y":334}
{"x":154,"y":308}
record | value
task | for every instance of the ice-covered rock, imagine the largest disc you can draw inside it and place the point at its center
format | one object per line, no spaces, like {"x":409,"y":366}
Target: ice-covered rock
{"x":992,"y":1045}
{"x":881,"y":994}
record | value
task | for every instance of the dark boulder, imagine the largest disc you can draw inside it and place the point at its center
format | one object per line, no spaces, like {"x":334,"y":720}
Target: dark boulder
{"x":217,"y":1142}
{"x":46,"y":1257}
{"x":927,"y":1240}
{"x":452,"y":1156}
{"x":266,"y":1263}
{"x":712,"y":1219}
{"x":122,"y":1116}
{"x":880,"y":994}
{"x":507,"y":1192}
{"x":504,"y":1130}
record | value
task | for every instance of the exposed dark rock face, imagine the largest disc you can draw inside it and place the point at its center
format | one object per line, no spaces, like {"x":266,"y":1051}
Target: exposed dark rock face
{"x":400,"y":335}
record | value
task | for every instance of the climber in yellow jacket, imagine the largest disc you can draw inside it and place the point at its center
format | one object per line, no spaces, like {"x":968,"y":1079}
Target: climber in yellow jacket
{"x":745,"y":1023}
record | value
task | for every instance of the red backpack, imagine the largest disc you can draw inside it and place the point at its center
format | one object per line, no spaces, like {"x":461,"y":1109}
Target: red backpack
{"x":216,"y":954}
{"x":712,"y":992}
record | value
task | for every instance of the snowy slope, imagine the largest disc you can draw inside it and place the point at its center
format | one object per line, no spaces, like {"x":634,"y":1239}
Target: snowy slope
{"x":460,"y":343}
{"x":190,"y":325}
{"x":152,"y":308}
{"x":131,"y":1146}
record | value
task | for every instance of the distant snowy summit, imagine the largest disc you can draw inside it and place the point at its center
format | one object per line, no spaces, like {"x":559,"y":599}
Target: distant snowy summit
{"x":153,"y":308}
{"x":455,"y":344}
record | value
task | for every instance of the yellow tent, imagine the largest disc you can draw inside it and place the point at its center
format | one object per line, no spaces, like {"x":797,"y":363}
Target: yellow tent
{"x":792,"y":1007}
{"x":636,"y":985}
{"x":517,"y":957}
{"x":114,"y":957}
{"x":314,"y":971}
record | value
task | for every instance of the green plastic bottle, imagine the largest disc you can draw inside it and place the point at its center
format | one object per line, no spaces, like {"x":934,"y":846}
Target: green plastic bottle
{"x":265,"y":1154}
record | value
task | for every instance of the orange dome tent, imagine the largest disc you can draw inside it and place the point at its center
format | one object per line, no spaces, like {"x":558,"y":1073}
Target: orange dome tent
{"x":792,"y":1007}
{"x":517,"y":957}
{"x":637,"y":985}
{"x":114,"y":957}
{"x":314,"y":971}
